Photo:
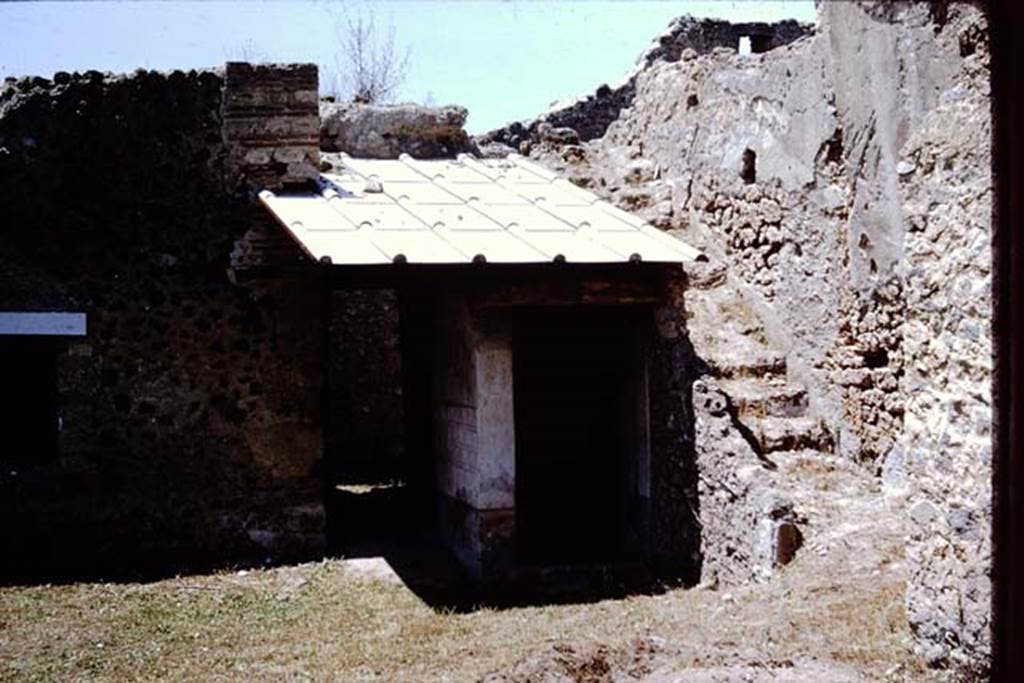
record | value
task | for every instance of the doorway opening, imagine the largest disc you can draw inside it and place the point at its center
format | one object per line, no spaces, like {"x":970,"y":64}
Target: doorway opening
{"x":364,"y":477}
{"x":580,"y":436}
{"x":28,"y":401}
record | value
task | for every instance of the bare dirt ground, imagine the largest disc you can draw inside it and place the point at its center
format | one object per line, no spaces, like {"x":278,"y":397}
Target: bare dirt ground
{"x":834,"y":614}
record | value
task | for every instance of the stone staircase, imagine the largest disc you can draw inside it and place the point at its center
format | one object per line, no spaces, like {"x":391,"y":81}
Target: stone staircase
{"x":769,"y":407}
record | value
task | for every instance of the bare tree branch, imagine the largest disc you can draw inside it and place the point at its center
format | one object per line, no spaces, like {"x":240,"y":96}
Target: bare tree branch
{"x":368,"y":66}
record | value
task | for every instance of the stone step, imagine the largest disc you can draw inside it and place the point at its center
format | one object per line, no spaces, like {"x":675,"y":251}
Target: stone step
{"x":787,"y":433}
{"x":723,"y":330}
{"x":719,"y":310}
{"x":763,"y":397}
{"x":743,"y":360}
{"x":705,"y":274}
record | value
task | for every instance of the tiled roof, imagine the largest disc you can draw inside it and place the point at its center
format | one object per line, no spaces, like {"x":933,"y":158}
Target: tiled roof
{"x":450,"y":211}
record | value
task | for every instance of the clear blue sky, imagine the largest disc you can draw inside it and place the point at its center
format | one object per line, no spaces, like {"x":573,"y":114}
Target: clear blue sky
{"x":502,"y":59}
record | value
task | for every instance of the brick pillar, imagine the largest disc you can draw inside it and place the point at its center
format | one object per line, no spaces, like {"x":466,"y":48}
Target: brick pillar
{"x":272,"y":123}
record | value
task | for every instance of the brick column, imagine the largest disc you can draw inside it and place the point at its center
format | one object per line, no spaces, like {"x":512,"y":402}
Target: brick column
{"x":271,"y":122}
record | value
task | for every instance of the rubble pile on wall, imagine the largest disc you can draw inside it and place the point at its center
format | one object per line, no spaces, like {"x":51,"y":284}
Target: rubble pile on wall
{"x":383,"y":131}
{"x":589,"y":117}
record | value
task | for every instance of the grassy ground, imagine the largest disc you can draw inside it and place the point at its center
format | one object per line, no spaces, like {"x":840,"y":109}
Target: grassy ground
{"x":836,"y":612}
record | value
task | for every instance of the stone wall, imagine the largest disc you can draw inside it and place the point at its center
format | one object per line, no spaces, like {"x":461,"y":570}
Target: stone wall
{"x":674,"y":537}
{"x":780,"y":233}
{"x":916,"y":63}
{"x":816,"y":233}
{"x":748,"y":524}
{"x":946,"y":192}
{"x":190,"y":412}
{"x":589,"y":117}
{"x":704,"y":35}
{"x":798,"y":170}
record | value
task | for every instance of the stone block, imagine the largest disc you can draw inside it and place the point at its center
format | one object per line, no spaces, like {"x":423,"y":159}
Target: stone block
{"x":385,"y":131}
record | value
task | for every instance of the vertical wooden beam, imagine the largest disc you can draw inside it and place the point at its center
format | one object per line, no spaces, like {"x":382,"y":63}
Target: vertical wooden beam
{"x":416,"y":341}
{"x":329,"y":467}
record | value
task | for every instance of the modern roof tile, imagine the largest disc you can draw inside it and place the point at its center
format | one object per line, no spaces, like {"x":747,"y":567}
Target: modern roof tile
{"x":373,"y":211}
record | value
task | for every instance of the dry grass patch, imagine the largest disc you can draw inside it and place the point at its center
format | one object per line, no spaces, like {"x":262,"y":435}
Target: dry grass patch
{"x":317,"y":621}
{"x":312,"y":620}
{"x":835,"y":613}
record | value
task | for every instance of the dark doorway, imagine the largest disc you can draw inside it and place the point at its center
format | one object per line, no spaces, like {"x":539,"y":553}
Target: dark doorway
{"x":577,"y":386}
{"x":28,"y":400}
{"x":364,"y":482}
{"x":364,"y":439}
{"x":759,"y":44}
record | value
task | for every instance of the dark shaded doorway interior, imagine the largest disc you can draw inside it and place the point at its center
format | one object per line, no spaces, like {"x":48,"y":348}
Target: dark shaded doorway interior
{"x":524,"y":451}
{"x":28,"y":400}
{"x":579,"y":414}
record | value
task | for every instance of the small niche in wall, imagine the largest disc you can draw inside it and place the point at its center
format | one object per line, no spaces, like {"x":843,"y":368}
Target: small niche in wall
{"x":748,"y":166}
{"x":745,"y":47}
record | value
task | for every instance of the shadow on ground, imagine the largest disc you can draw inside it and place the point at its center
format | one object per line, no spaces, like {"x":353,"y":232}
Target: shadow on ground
{"x":384,"y":525}
{"x":384,"y":522}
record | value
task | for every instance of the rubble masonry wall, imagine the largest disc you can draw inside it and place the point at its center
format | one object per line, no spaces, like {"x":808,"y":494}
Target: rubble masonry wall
{"x":190,"y":411}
